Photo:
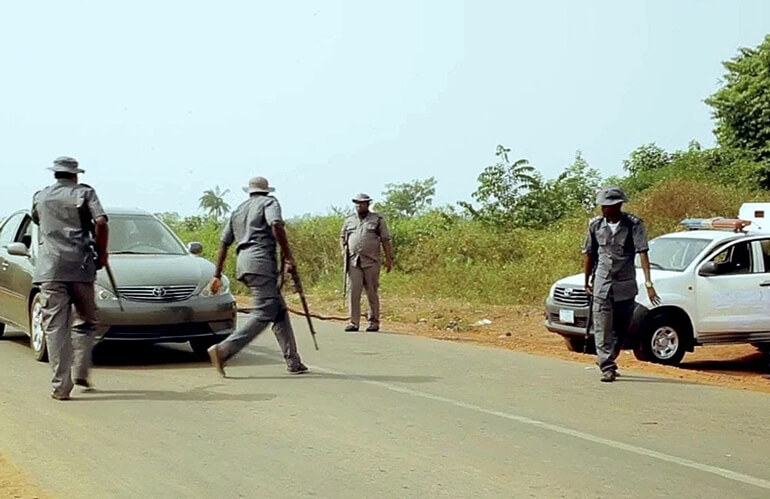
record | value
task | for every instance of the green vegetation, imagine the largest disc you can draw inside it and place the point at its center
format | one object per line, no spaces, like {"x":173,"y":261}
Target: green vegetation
{"x":526,"y":231}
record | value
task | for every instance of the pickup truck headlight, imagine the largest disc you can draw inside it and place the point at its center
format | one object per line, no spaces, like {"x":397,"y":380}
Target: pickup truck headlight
{"x":222,"y":291}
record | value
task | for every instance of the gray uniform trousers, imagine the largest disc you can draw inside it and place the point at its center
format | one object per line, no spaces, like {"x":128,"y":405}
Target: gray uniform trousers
{"x":69,"y":346}
{"x":611,"y":323}
{"x":268,"y":307}
{"x":358,"y":279}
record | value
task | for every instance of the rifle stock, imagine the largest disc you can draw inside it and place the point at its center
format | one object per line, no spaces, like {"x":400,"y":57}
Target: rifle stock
{"x":298,"y":288}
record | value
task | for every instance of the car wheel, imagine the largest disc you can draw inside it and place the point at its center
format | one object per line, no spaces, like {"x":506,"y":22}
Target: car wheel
{"x":200,"y":346}
{"x":2,"y":328}
{"x":663,"y":341}
{"x":579,"y":345}
{"x":36,"y":331}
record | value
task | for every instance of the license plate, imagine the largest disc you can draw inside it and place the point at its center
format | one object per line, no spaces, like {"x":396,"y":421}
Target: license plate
{"x":567,"y":316}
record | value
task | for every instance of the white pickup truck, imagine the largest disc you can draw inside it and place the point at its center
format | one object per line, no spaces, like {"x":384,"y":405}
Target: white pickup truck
{"x":714,"y":286}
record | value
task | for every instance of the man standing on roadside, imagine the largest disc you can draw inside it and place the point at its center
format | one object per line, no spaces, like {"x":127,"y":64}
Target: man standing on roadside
{"x":361,"y":237}
{"x":610,"y":247}
{"x":255,"y":227}
{"x":66,"y":270}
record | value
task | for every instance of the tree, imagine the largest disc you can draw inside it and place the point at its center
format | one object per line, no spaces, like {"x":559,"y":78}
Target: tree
{"x":214,"y":204}
{"x":741,"y":107}
{"x":500,"y":188}
{"x":407,"y":199}
{"x":646,"y":158}
{"x":170,"y":218}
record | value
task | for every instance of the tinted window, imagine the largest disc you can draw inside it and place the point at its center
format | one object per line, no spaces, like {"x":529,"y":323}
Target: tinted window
{"x":9,"y":229}
{"x":766,"y":254}
{"x":734,"y":260}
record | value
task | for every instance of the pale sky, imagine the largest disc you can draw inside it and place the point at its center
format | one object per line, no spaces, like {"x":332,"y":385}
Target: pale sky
{"x":160,"y":100}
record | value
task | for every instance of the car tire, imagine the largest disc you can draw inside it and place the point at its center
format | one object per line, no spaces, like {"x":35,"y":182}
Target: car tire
{"x":579,"y":345}
{"x":36,"y":332}
{"x":2,"y":328}
{"x":762,"y":347}
{"x":662,"y":341}
{"x":200,"y":346}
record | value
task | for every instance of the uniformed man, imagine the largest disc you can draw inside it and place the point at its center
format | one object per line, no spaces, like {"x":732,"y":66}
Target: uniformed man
{"x":611,"y":245}
{"x":66,"y":270}
{"x":255,"y":227}
{"x":361,"y":237}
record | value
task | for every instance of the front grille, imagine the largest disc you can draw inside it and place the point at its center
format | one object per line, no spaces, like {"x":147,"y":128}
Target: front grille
{"x":156,"y":293}
{"x":579,"y":321}
{"x":574,"y":297}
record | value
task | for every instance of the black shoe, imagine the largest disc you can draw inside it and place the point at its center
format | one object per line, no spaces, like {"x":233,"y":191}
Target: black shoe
{"x":300,"y":369}
{"x":351,"y":328}
{"x":60,"y":396}
{"x":609,"y":376}
{"x":85,"y":384}
{"x":373,"y":329}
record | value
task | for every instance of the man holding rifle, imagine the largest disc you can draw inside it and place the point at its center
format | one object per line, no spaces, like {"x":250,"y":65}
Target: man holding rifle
{"x":67,"y":212}
{"x":255,"y":227}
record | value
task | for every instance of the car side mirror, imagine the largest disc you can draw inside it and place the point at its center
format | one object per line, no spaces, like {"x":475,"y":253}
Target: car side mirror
{"x":709,"y":269}
{"x":17,"y":249}
{"x":195,"y":248}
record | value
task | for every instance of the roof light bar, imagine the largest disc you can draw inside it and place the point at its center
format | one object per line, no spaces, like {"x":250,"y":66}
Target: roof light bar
{"x":719,"y":223}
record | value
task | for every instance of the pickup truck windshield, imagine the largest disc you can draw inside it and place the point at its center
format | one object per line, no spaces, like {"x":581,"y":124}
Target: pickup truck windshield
{"x":674,"y":253}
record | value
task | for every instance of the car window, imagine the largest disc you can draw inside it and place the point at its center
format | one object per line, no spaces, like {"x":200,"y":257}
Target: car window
{"x":674,"y":253}
{"x":25,"y":234}
{"x":143,"y":235}
{"x":735,"y":259}
{"x":765,"y":243}
{"x":9,"y":229}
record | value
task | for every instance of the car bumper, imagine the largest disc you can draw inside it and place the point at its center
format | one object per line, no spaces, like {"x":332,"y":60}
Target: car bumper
{"x":197,"y":317}
{"x":556,"y":323}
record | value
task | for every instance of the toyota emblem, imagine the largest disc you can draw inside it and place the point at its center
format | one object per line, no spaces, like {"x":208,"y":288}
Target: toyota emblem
{"x":159,"y":292}
{"x":568,"y":291}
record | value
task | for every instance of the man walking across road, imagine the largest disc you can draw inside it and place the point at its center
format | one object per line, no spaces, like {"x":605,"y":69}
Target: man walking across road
{"x":361,"y":237}
{"x":66,"y":270}
{"x":255,"y":227}
{"x":610,"y":247}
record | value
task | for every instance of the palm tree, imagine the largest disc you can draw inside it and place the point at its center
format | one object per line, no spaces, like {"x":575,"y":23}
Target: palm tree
{"x":213,"y":202}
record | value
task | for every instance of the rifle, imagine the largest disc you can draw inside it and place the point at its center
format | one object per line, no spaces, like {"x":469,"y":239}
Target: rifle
{"x":88,"y":226}
{"x":298,"y":288}
{"x":589,"y":319}
{"x":346,"y":267}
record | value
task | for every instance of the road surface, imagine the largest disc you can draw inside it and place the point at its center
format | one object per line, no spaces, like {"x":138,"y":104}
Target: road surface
{"x":382,"y":415}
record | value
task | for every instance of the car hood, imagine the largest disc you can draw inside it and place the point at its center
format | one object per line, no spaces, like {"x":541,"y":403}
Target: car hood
{"x":157,"y":270}
{"x":578,"y":280}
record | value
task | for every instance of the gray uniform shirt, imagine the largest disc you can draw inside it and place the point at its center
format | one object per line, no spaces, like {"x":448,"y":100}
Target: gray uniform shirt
{"x":64,"y":254}
{"x":250,"y":227}
{"x":615,"y":274}
{"x":365,"y":237}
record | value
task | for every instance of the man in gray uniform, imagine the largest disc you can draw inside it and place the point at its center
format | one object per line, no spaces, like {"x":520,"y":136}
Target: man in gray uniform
{"x":66,"y":270}
{"x":361,"y":236}
{"x":611,"y":245}
{"x":255,"y":227}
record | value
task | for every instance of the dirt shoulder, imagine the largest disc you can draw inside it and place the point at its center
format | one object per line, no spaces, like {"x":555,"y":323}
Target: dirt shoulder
{"x":16,"y":484}
{"x":520,"y":328}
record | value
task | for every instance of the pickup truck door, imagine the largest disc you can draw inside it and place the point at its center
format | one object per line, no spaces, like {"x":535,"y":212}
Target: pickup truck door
{"x":733,"y":302}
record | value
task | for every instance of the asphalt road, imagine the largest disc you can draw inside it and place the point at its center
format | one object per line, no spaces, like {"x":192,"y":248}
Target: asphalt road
{"x":382,"y":415}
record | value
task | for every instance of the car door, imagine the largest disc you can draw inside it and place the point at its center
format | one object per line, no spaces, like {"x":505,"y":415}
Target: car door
{"x":19,"y":273}
{"x":733,"y":301}
{"x":8,"y":232}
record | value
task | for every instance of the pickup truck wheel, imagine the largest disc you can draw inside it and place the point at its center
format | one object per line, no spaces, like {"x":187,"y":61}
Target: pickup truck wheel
{"x":762,"y":347}
{"x":36,"y":330}
{"x":663,"y":341}
{"x":578,"y":345}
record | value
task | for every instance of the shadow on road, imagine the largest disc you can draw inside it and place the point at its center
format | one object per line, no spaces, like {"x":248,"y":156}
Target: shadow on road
{"x":385,"y":378}
{"x":163,"y":356}
{"x":199,"y":394}
{"x":647,"y":379}
{"x":754,"y":363}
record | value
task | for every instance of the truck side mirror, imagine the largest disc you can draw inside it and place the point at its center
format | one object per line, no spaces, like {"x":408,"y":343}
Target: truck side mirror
{"x":709,"y":269}
{"x":17,"y":249}
{"x":195,"y":248}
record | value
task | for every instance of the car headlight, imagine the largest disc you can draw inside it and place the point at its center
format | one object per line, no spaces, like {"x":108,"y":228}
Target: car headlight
{"x":222,"y":291}
{"x":103,"y":294}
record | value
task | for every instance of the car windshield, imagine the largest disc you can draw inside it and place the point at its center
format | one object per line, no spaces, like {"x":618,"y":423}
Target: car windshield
{"x":674,"y":253}
{"x":141,"y":235}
